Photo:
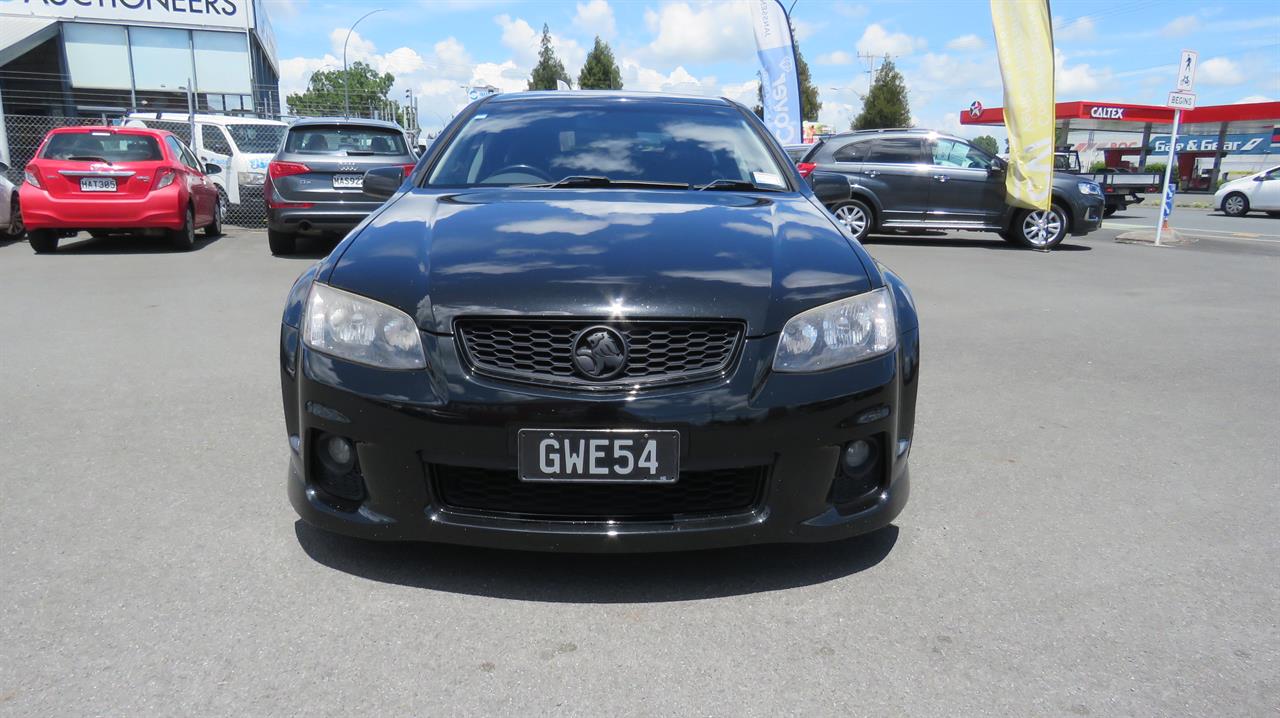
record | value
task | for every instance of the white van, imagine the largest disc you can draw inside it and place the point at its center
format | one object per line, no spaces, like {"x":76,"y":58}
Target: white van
{"x":241,"y":146}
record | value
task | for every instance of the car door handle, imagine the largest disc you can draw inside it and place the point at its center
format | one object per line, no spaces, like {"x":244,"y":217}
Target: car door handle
{"x":940,"y":178}
{"x":872,"y":173}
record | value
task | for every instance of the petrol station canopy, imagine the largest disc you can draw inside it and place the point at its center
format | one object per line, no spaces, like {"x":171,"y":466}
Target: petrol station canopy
{"x":1116,"y":116}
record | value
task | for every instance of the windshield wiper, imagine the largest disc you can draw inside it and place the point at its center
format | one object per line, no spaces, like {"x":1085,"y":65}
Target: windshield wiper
{"x":359,"y":153}
{"x":88,"y":158}
{"x":602,"y":181}
{"x":736,"y":184}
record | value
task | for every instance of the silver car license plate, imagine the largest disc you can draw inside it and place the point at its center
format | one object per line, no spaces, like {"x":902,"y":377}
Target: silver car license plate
{"x":599,"y":455}
{"x":348,"y":181}
{"x":97,"y":184}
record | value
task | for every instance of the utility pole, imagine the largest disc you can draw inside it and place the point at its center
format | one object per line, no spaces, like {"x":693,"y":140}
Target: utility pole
{"x":870,"y":58}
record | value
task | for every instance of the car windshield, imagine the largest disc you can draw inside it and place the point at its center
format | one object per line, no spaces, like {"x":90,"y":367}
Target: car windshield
{"x":102,"y":146}
{"x":520,"y":143}
{"x":256,"y":138}
{"x":345,"y":140}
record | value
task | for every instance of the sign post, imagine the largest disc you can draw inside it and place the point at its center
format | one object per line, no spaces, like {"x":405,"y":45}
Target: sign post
{"x":1181,"y":98}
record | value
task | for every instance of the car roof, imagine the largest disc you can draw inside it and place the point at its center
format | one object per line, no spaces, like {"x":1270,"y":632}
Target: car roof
{"x":894,"y":131}
{"x":115,"y":129}
{"x":607,"y":95}
{"x":352,"y":121}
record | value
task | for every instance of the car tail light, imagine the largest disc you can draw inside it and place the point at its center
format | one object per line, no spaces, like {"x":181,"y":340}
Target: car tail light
{"x":164,"y":178}
{"x":32,"y":176}
{"x":408,"y":169}
{"x":277,"y":169}
{"x":806,"y":168}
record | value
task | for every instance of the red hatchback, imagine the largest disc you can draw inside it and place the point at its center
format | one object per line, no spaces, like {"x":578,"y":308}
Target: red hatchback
{"x":117,"y":179}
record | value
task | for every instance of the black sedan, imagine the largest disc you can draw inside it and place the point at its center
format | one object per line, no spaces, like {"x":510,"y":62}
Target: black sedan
{"x":599,"y":322}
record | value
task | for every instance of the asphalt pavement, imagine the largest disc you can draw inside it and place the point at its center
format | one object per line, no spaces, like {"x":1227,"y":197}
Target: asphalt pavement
{"x":1092,"y":528}
{"x":1198,"y":223}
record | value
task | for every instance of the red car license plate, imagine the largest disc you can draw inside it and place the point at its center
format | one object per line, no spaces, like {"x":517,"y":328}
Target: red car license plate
{"x":97,"y":184}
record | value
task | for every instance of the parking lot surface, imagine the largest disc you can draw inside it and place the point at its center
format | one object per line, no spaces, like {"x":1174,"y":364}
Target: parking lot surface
{"x":1092,"y":529}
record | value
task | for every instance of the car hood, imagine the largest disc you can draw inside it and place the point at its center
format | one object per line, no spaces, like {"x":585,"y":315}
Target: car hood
{"x":759,"y":258}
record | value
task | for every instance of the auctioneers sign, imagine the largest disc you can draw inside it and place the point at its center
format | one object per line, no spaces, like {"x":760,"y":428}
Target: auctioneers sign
{"x":234,"y":14}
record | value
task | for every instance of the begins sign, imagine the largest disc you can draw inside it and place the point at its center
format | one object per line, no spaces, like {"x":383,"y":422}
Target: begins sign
{"x":234,"y":14}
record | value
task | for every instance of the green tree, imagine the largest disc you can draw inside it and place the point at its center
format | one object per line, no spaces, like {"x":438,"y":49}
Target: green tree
{"x":810,"y":105}
{"x":367,"y":89}
{"x":600,"y":72}
{"x":549,"y":68}
{"x":886,"y":102}
{"x":988,"y":143}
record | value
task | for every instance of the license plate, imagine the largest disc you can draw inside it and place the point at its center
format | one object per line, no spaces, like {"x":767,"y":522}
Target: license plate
{"x":97,"y":184}
{"x":602,"y":455}
{"x":348,"y":181}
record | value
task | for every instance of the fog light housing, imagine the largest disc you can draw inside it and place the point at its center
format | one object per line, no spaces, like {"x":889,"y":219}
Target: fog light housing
{"x":337,"y":467}
{"x":858,"y":477}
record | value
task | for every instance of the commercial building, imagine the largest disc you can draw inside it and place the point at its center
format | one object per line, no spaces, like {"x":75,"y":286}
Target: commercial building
{"x":79,"y":61}
{"x":1214,"y":142}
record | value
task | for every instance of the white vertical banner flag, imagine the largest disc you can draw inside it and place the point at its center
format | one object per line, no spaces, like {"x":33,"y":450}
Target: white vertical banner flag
{"x":781,"y":91}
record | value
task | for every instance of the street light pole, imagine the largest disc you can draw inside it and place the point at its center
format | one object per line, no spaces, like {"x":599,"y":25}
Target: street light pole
{"x":346,"y":97}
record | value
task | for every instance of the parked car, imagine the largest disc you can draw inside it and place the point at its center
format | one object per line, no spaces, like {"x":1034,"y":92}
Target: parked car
{"x":117,"y":179}
{"x":241,"y":146}
{"x":11,"y":226}
{"x":797,"y":153}
{"x":920,"y":179}
{"x":599,"y":322}
{"x":1259,"y":191}
{"x":314,"y":180}
{"x":1119,"y":188}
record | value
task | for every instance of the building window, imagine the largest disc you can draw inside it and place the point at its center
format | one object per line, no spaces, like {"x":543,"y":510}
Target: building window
{"x":161,"y":58}
{"x":97,"y":55}
{"x":222,"y":62}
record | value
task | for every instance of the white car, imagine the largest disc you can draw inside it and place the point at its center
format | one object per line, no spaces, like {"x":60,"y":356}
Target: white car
{"x":10,"y":213}
{"x":1259,"y":192}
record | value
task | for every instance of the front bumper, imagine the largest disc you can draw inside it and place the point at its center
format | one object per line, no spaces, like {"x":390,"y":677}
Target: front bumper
{"x":1086,"y":214}
{"x":158,"y":209}
{"x":790,"y":426}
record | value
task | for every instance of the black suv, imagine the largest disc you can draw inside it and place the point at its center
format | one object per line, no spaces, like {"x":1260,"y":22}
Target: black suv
{"x":313,"y":182}
{"x":920,"y":179}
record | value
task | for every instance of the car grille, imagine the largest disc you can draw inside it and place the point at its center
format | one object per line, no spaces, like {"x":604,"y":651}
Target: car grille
{"x":541,"y":351}
{"x":697,"y":493}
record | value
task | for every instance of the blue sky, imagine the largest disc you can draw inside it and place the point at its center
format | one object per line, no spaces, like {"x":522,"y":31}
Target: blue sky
{"x":1120,"y":50}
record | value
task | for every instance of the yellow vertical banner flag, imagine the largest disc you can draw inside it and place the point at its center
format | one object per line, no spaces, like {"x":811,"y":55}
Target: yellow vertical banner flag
{"x":1024,"y":42}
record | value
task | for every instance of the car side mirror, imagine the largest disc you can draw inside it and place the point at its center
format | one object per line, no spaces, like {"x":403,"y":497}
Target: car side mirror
{"x":212,"y":169}
{"x":382,"y":182}
{"x":996,"y":168}
{"x":4,"y":167}
{"x":1260,"y":178}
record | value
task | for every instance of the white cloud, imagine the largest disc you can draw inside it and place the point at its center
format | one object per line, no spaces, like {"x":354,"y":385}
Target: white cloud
{"x":839,"y":57}
{"x":804,"y":29}
{"x":1253,"y":98}
{"x":707,"y":33}
{"x":1081,"y":29}
{"x":966,"y":43}
{"x":524,"y":42}
{"x":1079,"y":78}
{"x":596,"y":17}
{"x":357,"y":46}
{"x":1181,"y":26}
{"x":1219,"y":71}
{"x":876,"y":40}
{"x":940,"y":72}
{"x":505,"y":76}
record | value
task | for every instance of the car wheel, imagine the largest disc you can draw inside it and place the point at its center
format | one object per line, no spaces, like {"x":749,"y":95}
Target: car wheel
{"x":1040,"y":229}
{"x":1235,"y":205}
{"x":15,"y":230}
{"x":856,"y":217}
{"x":184,"y":239}
{"x":281,"y":242}
{"x":43,"y":241}
{"x":214,"y":228}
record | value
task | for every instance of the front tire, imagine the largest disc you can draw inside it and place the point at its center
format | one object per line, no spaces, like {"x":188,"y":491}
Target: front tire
{"x":1235,"y":205}
{"x":43,"y":241}
{"x":184,"y":240}
{"x":856,"y":217}
{"x":281,"y":243}
{"x":1040,"y":229}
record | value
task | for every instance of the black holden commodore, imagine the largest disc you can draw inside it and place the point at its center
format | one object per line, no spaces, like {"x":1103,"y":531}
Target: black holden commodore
{"x":599,"y":322}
